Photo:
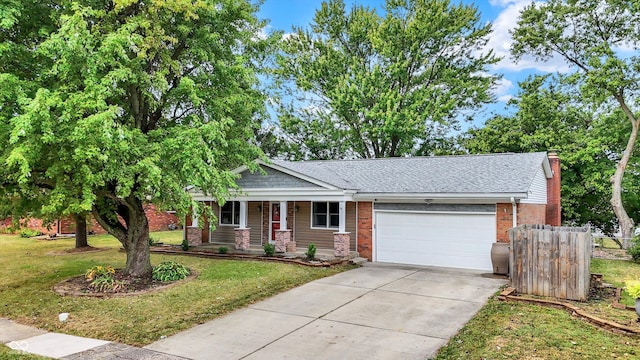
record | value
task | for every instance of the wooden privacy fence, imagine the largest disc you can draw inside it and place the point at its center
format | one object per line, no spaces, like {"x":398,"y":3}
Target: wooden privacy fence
{"x":551,"y":261}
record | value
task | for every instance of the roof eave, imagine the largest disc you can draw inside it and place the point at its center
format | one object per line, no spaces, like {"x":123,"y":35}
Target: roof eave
{"x":440,"y":196}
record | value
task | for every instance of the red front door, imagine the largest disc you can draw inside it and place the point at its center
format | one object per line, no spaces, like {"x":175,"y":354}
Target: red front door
{"x":275,"y":220}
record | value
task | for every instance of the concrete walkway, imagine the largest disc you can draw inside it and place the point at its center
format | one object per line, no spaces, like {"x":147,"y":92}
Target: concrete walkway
{"x":25,"y":339}
{"x":374,"y":312}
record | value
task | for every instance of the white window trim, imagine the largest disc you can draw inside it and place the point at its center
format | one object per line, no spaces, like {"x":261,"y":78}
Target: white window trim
{"x":328,"y":217}
{"x":233,"y":209}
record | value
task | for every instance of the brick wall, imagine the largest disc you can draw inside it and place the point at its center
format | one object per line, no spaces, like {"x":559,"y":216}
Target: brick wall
{"x":531,"y":214}
{"x":504,"y":221}
{"x":526,"y":214}
{"x":158,"y":221}
{"x":554,"y":211}
{"x":365,"y":229}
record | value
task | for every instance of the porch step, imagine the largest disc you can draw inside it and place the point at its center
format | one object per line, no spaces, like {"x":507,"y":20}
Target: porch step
{"x":359,"y":260}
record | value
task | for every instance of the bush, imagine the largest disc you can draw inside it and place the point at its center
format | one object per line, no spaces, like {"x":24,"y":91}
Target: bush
{"x":269,"y":249}
{"x":153,"y":242}
{"x":185,"y":245}
{"x":101,"y":278}
{"x":223,"y":250}
{"x":27,"y":233}
{"x":169,"y":271}
{"x":311,"y":251}
{"x":634,"y":250}
{"x":633,"y":288}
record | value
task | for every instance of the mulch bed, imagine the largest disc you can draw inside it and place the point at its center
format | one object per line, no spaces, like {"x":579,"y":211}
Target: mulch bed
{"x":208,"y":254}
{"x":79,"y":286}
{"x":81,"y":250}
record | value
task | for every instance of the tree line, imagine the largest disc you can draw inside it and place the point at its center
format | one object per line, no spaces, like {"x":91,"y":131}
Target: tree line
{"x":109,"y":104}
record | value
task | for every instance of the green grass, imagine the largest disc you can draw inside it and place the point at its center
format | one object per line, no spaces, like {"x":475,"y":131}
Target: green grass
{"x":30,"y":268}
{"x":509,"y":330}
{"x":6,"y":353}
{"x":173,"y":237}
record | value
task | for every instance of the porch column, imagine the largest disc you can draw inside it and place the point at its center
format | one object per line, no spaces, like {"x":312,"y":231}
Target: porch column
{"x":243,"y":214}
{"x":193,"y":233}
{"x":343,"y":217}
{"x":283,"y":215}
{"x":194,"y":218}
{"x":283,"y":236}
{"x":342,"y":239}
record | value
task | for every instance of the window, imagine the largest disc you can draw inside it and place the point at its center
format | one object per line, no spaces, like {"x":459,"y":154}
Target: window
{"x":230,"y":213}
{"x":325,"y":215}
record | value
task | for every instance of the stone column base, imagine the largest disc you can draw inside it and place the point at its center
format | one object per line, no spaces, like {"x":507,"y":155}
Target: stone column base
{"x":341,"y":244}
{"x":242,"y":238}
{"x":283,"y":238}
{"x":194,"y":236}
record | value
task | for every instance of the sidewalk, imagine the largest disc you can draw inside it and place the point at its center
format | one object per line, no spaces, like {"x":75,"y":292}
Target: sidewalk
{"x":22,"y":338}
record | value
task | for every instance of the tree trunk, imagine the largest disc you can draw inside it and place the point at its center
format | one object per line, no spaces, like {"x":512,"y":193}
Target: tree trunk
{"x":624,"y":221}
{"x":81,"y":231}
{"x":138,"y":258}
{"x":133,"y":234}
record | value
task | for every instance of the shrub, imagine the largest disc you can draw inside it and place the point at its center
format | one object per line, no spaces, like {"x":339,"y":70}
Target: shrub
{"x":6,"y":230}
{"x":169,"y":271}
{"x":101,"y":278}
{"x":185,"y":245}
{"x":153,"y":242}
{"x":269,"y":249}
{"x":223,"y":250}
{"x":634,"y":250}
{"x":27,"y":233}
{"x":633,"y":288}
{"x":311,"y":251}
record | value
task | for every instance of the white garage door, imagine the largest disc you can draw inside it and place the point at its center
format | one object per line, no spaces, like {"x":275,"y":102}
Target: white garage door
{"x":436,"y":239}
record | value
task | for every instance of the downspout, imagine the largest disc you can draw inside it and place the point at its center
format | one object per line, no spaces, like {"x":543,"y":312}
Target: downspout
{"x":514,"y":212}
{"x":357,"y":206}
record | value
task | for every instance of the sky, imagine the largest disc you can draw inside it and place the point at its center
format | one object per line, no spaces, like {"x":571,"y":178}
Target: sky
{"x":503,"y":14}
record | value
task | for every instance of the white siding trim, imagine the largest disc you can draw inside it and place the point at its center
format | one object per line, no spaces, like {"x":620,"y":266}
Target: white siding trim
{"x":537,"y":189}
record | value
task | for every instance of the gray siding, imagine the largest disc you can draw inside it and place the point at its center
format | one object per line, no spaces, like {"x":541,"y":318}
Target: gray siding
{"x":254,"y":222}
{"x":272,"y":179}
{"x":222,"y":233}
{"x":436,"y":207}
{"x":537,"y":190}
{"x":323,"y":239}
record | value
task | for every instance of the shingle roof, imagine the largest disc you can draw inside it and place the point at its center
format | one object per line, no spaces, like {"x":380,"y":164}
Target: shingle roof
{"x":491,"y":173}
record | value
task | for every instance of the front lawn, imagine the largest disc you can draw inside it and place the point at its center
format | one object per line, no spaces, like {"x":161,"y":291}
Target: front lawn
{"x":30,"y":268}
{"x":510,"y":330}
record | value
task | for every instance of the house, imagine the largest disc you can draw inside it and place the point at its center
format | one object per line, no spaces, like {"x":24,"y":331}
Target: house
{"x":158,"y":221}
{"x":437,"y":211}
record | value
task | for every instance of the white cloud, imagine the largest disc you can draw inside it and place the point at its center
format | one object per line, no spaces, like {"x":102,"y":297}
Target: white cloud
{"x":502,"y":90}
{"x":501,"y":41}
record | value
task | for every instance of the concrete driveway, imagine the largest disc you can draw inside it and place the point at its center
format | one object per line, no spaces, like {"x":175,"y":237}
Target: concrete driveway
{"x":373,"y":312}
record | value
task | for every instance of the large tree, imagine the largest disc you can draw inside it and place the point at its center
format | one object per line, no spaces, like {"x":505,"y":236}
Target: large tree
{"x":600,"y":39}
{"x":551,"y":115}
{"x":379,"y":83}
{"x":131,"y":102}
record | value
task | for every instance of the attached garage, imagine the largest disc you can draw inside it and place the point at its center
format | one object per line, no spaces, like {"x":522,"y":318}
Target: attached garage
{"x":449,"y":239}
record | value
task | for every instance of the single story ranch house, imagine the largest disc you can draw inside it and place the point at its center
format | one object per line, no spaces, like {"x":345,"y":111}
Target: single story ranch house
{"x":436,"y":211}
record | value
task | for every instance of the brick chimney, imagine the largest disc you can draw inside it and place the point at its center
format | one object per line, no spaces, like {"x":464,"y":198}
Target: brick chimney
{"x":553,"y":212}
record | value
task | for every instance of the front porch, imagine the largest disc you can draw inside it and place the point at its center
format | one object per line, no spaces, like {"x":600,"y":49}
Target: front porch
{"x":290,"y":226}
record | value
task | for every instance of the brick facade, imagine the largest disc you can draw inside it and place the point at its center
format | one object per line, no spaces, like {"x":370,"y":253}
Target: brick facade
{"x":554,"y":211}
{"x":242,"y":237}
{"x":283,"y":238}
{"x":341,"y":244}
{"x":194,"y":236}
{"x":158,"y":221}
{"x":365,"y":229}
{"x":504,"y":221}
